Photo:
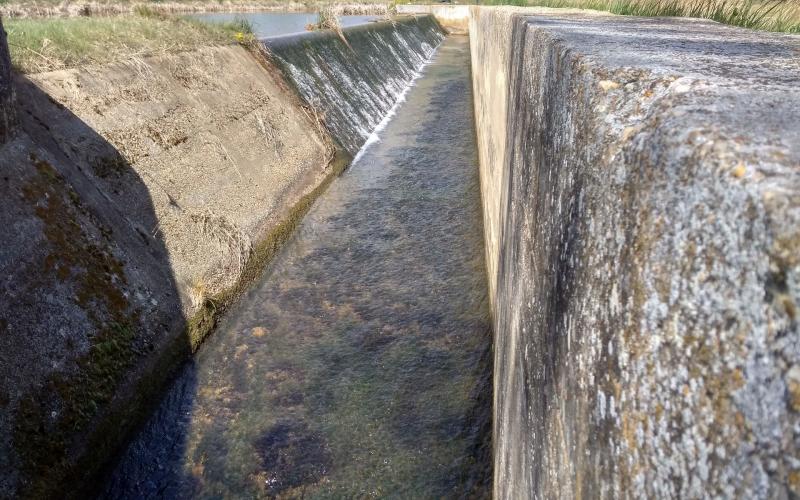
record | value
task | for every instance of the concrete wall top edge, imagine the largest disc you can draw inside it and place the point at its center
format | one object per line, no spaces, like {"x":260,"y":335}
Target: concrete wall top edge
{"x":747,"y":81}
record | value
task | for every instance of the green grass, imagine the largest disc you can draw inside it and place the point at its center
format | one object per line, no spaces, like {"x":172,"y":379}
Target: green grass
{"x":44,"y":44}
{"x":767,"y":15}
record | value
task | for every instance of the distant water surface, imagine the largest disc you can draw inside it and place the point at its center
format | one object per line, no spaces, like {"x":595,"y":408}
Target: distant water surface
{"x":266,"y":24}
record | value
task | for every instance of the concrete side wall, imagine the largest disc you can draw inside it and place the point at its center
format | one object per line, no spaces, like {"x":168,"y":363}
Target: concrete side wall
{"x":642,"y":224}
{"x":491,"y":53}
{"x":454,"y":18}
{"x":140,"y":198}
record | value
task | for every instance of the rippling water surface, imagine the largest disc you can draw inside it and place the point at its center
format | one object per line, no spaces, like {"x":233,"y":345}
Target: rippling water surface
{"x":360,"y":365}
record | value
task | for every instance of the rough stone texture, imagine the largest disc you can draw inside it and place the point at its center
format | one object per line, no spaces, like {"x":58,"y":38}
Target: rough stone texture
{"x":134,"y":197}
{"x":642,"y":221}
{"x":7,"y":115}
{"x":354,"y":80}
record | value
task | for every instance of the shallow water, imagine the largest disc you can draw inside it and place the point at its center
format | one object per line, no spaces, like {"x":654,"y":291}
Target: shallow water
{"x":360,"y":365}
{"x":266,"y":24}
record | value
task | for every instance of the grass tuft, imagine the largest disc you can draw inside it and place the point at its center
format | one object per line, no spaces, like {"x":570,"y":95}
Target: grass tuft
{"x":71,"y":8}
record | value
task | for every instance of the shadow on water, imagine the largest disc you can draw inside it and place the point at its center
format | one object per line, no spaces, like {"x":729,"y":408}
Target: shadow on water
{"x":360,"y":365}
{"x":88,"y":299}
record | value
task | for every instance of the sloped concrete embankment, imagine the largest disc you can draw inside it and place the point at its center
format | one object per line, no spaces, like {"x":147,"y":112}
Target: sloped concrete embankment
{"x":140,"y":198}
{"x":354,"y":80}
{"x":642,"y":222}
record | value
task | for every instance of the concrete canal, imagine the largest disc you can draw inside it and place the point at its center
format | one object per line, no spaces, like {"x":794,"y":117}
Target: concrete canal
{"x":360,"y":366}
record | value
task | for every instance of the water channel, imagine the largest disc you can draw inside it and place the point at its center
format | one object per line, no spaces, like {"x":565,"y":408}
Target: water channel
{"x":360,"y":365}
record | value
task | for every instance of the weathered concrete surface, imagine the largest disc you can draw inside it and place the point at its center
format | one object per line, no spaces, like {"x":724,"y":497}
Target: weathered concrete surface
{"x":454,"y":18}
{"x":640,"y":183}
{"x":7,"y":115}
{"x":81,"y":8}
{"x":137,"y":199}
{"x":354,"y":80}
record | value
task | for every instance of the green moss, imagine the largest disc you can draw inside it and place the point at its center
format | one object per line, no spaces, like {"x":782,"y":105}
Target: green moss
{"x":89,"y":411}
{"x":89,"y":267}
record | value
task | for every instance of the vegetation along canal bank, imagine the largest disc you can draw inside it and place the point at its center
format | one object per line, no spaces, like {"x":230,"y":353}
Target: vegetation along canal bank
{"x":639,"y":180}
{"x":637,"y":183}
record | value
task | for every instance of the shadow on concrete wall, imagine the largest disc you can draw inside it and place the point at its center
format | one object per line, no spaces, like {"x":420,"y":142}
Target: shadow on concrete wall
{"x":91,"y":322}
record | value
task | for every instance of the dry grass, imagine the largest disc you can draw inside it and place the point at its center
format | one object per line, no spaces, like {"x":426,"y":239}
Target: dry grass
{"x":327,"y":19}
{"x":767,"y":15}
{"x":233,"y":246}
{"x":328,"y":16}
{"x":67,"y":8}
{"x":47,"y":44}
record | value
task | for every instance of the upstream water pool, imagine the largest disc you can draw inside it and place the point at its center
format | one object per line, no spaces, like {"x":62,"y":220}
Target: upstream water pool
{"x":360,"y":365}
{"x":267,"y":24}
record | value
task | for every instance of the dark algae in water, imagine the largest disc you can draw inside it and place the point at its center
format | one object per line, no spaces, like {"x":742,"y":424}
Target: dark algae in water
{"x":360,"y":365}
{"x":292,"y":455}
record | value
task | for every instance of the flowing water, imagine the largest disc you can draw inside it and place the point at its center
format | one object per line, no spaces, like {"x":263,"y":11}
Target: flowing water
{"x":354,"y":81}
{"x":267,"y":24}
{"x":360,"y":365}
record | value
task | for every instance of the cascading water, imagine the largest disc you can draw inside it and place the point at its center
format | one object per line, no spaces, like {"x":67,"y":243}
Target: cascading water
{"x":354,"y":80}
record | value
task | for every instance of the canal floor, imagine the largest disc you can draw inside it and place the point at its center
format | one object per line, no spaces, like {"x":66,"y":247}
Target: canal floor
{"x":360,"y":364}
